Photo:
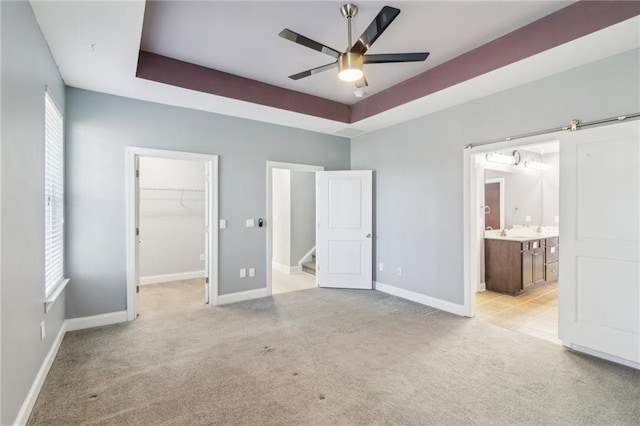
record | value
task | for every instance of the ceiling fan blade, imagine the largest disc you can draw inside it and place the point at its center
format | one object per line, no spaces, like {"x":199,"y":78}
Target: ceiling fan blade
{"x":362,"y":82}
{"x":313,"y":71}
{"x":395,"y":57}
{"x":307,"y":42}
{"x":375,"y":29}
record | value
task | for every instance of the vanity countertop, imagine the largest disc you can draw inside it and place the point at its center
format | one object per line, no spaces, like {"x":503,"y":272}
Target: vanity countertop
{"x":521,"y":234}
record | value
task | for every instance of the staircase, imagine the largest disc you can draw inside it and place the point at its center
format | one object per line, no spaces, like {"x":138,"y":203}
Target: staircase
{"x":310,"y":267}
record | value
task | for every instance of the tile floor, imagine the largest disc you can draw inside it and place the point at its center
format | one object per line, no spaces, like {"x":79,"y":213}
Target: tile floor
{"x":281,"y":282}
{"x":535,"y":314}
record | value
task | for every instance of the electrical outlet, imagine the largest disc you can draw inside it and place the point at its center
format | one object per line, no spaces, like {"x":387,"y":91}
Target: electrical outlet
{"x":251,"y":223}
{"x":556,"y":219}
{"x":399,"y":272}
{"x":223,"y":223}
{"x":243,"y":273}
{"x":201,"y":257}
{"x":42,"y":331}
{"x":252,"y":272}
{"x":527,"y":219}
{"x":380,"y":267}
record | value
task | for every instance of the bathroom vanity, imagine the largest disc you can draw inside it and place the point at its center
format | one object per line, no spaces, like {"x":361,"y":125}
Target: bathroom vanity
{"x":516,"y":265}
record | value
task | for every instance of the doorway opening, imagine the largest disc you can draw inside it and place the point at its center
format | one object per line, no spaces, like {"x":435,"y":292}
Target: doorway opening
{"x":291,"y":219}
{"x":171,"y":232}
{"x":517,"y":200}
{"x":172,"y":216}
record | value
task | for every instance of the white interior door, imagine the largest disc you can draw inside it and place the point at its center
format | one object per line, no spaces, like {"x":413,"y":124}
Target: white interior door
{"x":343,"y":233}
{"x":599,"y":280}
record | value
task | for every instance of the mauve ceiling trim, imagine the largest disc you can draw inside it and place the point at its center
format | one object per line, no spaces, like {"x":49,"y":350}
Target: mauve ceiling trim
{"x":190,"y":76}
{"x":576,"y":20}
{"x":567,"y":24}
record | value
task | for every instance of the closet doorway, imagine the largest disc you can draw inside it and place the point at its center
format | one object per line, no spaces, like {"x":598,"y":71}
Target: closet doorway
{"x":171,"y":243}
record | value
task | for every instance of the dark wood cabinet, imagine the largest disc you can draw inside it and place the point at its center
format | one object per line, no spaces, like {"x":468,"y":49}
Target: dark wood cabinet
{"x":517,"y":267}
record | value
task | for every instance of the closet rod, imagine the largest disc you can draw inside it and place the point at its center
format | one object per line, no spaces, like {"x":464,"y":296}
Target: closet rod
{"x":172,"y":189}
{"x":572,"y":127}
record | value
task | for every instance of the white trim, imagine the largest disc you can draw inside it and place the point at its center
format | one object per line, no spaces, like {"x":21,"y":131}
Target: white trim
{"x":602,"y":355}
{"x":285,"y":268}
{"x":270,"y":166}
{"x":211,"y":173}
{"x":155,"y":279}
{"x":55,"y":294}
{"x":482,"y":287}
{"x":81,"y":323}
{"x":443,"y":305}
{"x":307,"y":257}
{"x":242,"y":296}
{"x":34,"y":391}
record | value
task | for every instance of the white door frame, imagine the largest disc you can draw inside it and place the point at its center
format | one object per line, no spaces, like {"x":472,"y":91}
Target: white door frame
{"x":471,"y":211}
{"x":133,"y":272}
{"x":270,"y":166}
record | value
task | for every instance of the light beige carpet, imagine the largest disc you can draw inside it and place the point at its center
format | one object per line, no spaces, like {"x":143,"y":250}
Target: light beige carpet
{"x":325,"y":357}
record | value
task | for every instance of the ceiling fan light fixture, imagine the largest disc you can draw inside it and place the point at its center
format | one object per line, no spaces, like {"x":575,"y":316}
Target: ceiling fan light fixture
{"x":350,"y":66}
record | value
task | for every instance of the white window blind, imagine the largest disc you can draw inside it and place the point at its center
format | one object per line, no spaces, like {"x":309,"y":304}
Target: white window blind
{"x":53,"y":196}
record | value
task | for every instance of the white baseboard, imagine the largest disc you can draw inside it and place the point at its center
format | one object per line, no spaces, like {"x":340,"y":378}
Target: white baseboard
{"x":32,"y":396}
{"x":602,"y":355}
{"x":482,"y":287}
{"x":443,"y":305}
{"x":284,"y":268}
{"x":95,"y":320}
{"x":242,"y":296}
{"x":155,"y":279}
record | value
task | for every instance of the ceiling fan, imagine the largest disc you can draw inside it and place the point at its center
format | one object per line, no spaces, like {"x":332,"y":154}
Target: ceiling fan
{"x":350,"y":62}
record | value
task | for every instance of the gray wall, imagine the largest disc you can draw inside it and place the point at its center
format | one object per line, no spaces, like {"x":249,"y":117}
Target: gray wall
{"x":551,"y":189}
{"x":418,"y":164}
{"x":303,"y":214}
{"x":27,"y":66}
{"x":99,"y":127}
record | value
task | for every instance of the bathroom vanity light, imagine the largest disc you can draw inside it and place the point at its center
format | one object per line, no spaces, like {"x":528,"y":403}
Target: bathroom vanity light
{"x":537,"y":165}
{"x":498,"y":157}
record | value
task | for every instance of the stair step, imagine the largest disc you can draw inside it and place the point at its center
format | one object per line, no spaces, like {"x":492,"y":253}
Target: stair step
{"x":309,"y":267}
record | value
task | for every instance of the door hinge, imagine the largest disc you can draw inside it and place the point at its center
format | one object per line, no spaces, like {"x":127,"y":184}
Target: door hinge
{"x":137,"y":173}
{"x":137,"y":231}
{"x":137,"y":289}
{"x":206,"y":280}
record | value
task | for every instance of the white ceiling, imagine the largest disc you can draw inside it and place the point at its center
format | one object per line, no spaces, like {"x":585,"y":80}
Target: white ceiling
{"x":241,"y":38}
{"x":95,"y":45}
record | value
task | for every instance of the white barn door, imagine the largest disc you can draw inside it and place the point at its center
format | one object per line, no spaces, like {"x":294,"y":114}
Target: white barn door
{"x":600,"y":241}
{"x":344,"y":229}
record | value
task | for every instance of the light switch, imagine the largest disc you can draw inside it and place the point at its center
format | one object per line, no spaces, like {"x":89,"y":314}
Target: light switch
{"x":527,"y":219}
{"x":223,"y":223}
{"x":243,"y":273}
{"x":251,"y":223}
{"x":252,"y":272}
{"x":557,"y":219}
{"x":381,"y":267}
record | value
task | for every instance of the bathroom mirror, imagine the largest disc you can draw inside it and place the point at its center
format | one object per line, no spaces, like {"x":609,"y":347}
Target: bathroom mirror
{"x":516,"y":195}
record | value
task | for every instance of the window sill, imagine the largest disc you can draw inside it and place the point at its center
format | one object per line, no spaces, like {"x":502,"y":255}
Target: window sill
{"x":49,"y":301}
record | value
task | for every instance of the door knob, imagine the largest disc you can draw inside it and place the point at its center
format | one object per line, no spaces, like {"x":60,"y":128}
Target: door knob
{"x":368,"y":235}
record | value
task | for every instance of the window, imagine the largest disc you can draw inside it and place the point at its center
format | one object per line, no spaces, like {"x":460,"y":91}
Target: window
{"x":53,"y":197}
